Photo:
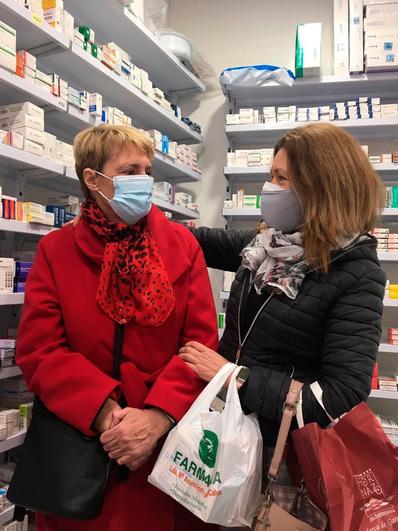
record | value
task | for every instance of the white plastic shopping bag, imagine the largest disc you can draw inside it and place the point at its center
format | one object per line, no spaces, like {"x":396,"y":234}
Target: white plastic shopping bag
{"x":211,"y":462}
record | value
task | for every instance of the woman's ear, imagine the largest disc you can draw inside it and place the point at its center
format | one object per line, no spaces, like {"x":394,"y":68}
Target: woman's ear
{"x":90,"y":179}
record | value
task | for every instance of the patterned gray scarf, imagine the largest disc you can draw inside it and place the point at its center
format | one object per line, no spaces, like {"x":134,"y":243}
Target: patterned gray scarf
{"x":276,"y":260}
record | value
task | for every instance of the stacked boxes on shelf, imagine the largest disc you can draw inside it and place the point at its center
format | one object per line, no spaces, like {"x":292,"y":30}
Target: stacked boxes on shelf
{"x":362,"y":107}
{"x":14,"y":392}
{"x":167,"y":192}
{"x":7,"y":345}
{"x":241,"y":200}
{"x":58,"y":210}
{"x":8,"y":41}
{"x":187,"y":156}
{"x":384,"y":382}
{"x":391,"y":197}
{"x":24,"y":64}
{"x":250,"y":158}
{"x":381,"y":39}
{"x":386,"y":241}
{"x":13,"y":275}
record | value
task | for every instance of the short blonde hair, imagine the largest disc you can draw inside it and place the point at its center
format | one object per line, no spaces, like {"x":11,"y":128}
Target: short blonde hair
{"x":93,"y":147}
{"x":341,"y":194}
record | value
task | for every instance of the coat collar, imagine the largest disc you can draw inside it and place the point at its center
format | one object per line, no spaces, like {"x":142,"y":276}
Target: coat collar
{"x":170,"y":246}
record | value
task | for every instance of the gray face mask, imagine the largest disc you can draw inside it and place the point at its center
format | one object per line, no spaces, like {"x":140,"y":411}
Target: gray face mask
{"x":280,"y":209}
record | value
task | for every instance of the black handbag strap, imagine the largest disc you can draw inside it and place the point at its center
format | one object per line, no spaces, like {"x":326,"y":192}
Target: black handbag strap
{"x":117,"y":350}
{"x":122,"y":470}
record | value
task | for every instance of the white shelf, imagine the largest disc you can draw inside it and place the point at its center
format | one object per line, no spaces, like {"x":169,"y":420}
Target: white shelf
{"x":9,"y":372}
{"x":387,"y":170}
{"x":164,"y":69}
{"x":393,"y":303}
{"x":390,"y":214}
{"x":387,"y":348}
{"x":66,"y":123}
{"x":45,"y":172}
{"x":12,"y":442}
{"x":325,"y":89}
{"x":259,"y":173}
{"x":32,"y":33}
{"x":10,"y":225}
{"x":179,"y":212}
{"x":260,"y":133}
{"x":165,"y":168}
{"x":7,"y":515}
{"x":17,"y":159}
{"x":387,"y":257}
{"x":83,"y":70}
{"x":8,"y":299}
{"x":391,"y":395}
{"x":242,"y":213}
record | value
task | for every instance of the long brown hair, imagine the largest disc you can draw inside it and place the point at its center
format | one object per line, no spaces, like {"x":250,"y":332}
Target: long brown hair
{"x":340,"y":192}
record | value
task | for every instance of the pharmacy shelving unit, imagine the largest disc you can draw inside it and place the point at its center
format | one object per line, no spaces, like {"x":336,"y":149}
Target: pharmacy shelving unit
{"x":163,"y":67}
{"x":12,"y":442}
{"x":387,"y":171}
{"x":56,"y":53}
{"x":7,"y":515}
{"x":310,"y":92}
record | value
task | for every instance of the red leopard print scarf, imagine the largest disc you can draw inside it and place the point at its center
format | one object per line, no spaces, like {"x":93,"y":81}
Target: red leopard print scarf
{"x":134,"y":283}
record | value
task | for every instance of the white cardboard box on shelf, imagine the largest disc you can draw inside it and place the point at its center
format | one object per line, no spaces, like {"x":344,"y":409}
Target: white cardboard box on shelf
{"x":33,"y":147}
{"x":22,"y":120}
{"x":8,"y":36}
{"x":356,"y":36}
{"x":308,"y":49}
{"x":8,"y":59}
{"x":32,"y":134}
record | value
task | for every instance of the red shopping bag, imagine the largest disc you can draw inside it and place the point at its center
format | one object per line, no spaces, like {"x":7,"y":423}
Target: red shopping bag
{"x":351,"y":471}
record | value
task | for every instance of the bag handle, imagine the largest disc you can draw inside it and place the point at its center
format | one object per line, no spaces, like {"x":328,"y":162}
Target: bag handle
{"x":289,"y":411}
{"x":206,"y":397}
{"x":317,"y":391}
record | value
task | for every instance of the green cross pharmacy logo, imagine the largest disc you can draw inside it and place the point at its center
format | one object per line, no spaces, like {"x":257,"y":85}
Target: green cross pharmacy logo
{"x":208,"y":448}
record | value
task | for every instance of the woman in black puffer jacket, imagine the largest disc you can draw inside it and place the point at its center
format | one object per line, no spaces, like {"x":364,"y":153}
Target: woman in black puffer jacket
{"x":307,"y":302}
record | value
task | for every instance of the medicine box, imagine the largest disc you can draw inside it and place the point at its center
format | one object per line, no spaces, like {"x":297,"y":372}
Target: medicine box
{"x":8,"y":343}
{"x":8,"y":59}
{"x":8,"y":36}
{"x":356,"y":36}
{"x":33,"y":147}
{"x":340,"y":21}
{"x":10,"y":419}
{"x":7,"y":272}
{"x":308,"y":49}
{"x":21,"y":120}
{"x":14,"y":139}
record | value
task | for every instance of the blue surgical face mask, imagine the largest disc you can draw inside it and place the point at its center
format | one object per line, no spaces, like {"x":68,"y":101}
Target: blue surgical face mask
{"x":133,"y":196}
{"x":280,"y":208}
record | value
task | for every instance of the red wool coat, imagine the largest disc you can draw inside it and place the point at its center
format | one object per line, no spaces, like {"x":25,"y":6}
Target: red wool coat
{"x":65,"y":353}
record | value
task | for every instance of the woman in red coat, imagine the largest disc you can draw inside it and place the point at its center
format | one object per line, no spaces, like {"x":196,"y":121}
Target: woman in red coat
{"x":123,"y":264}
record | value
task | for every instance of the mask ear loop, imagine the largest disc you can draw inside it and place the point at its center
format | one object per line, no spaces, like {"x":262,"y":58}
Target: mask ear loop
{"x":99,"y":191}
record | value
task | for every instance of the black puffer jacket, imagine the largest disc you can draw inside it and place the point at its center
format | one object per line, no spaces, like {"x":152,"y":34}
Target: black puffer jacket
{"x":330,"y":333}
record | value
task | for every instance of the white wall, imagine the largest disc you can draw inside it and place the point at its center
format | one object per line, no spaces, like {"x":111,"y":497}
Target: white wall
{"x":232,"y":33}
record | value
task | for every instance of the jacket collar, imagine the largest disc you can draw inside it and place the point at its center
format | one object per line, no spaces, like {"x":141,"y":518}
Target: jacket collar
{"x":170,"y":246}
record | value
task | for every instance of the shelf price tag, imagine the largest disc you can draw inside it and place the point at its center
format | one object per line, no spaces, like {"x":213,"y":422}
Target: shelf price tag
{"x":37,"y":19}
{"x":62,"y":104}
